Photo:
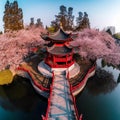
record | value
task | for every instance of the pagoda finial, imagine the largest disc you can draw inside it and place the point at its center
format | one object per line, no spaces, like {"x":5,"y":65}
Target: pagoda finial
{"x":61,"y":25}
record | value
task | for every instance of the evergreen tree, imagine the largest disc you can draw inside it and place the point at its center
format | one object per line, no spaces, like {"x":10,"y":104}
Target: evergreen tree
{"x":65,"y":17}
{"x":85,"y":21}
{"x":13,"y":17}
{"x":6,"y":18}
{"x":31,"y":21}
{"x":39,"y":23}
{"x":79,"y":19}
{"x":62,"y":17}
{"x":55,"y":25}
{"x":82,"y":21}
{"x":70,"y":19}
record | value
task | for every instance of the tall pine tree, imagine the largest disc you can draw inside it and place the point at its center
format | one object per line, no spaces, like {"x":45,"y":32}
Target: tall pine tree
{"x":39,"y":23}
{"x":13,"y":17}
{"x":70,"y":19}
{"x":32,"y":21}
{"x":79,"y":19}
{"x":82,"y":21}
{"x":65,"y":17}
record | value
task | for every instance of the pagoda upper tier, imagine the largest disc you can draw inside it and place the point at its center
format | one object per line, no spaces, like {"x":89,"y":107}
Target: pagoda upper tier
{"x":59,"y":50}
{"x":58,"y":37}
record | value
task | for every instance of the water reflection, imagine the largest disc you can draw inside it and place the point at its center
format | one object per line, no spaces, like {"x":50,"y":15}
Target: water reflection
{"x":110,"y":68}
{"x":100,"y":99}
{"x":118,"y":80}
{"x":20,"y":97}
{"x":19,"y":101}
{"x":101,"y":82}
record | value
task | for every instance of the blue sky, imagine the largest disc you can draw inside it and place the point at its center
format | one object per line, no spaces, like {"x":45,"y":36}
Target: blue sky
{"x":101,"y":13}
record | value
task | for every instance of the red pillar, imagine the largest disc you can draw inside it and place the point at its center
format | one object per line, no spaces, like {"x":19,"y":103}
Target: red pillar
{"x":66,"y":59}
{"x":54,"y":60}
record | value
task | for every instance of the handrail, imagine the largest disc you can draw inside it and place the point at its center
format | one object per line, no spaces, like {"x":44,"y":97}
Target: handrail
{"x":81,"y":83}
{"x":74,"y":101}
{"x":34,"y":81}
{"x":49,"y":99}
{"x":60,"y":66}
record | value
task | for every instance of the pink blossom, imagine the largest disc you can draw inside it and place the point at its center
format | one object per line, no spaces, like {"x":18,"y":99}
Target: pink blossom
{"x":15,"y":45}
{"x":94,"y":44}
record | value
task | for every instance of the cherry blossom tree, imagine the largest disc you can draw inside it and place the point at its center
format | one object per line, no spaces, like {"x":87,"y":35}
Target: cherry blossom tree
{"x":91,"y":44}
{"x":94,"y":44}
{"x":15,"y":45}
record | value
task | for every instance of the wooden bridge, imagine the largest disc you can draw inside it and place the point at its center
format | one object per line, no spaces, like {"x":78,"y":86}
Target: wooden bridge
{"x":61,"y":103}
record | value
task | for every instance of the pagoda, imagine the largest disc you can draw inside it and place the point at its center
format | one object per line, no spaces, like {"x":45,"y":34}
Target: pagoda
{"x":59,"y":53}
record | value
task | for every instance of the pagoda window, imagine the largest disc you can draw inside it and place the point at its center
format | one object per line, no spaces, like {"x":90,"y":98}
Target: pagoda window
{"x":61,"y":57}
{"x":61,"y":63}
{"x":68,"y":62}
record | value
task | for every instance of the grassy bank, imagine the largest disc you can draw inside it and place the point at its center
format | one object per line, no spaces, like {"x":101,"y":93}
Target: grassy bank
{"x":6,"y":77}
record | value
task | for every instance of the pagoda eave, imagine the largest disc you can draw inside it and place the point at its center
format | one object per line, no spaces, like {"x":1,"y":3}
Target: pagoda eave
{"x":58,"y":40}
{"x":60,"y":54}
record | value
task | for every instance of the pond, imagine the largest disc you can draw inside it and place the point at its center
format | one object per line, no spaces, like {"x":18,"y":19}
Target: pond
{"x":100,"y":99}
{"x":19,"y":101}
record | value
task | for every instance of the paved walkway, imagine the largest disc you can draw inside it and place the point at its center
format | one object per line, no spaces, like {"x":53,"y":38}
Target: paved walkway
{"x":61,"y":106}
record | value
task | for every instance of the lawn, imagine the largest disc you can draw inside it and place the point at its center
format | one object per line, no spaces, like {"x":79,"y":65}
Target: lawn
{"x":6,"y":77}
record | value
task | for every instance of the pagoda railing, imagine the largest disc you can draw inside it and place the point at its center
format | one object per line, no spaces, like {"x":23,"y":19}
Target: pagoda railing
{"x":74,"y":88}
{"x":59,"y":59}
{"x":55,"y":65}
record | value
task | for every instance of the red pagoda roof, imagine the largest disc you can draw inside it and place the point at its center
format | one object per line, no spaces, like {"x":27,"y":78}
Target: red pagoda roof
{"x":59,"y":36}
{"x":59,"y":50}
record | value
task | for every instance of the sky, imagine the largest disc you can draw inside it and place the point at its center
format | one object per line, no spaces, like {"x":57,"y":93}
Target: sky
{"x":102,"y":13}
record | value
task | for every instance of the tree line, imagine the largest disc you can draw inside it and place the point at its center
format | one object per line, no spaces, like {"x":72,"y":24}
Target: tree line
{"x":13,"y":19}
{"x":66,"y":18}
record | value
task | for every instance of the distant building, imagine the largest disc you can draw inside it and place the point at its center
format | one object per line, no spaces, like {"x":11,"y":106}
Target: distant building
{"x":111,"y":29}
{"x":117,"y":41}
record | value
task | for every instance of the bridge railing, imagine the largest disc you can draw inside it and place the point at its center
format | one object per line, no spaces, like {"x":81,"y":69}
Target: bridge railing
{"x":74,"y":101}
{"x":49,"y":99}
{"x":34,"y":81}
{"x":84,"y":79}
